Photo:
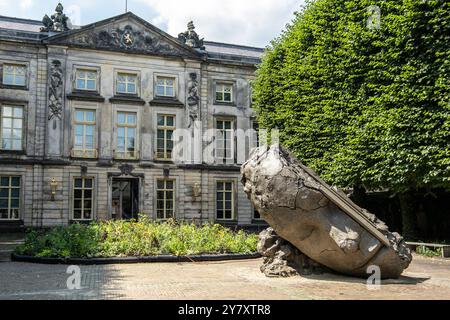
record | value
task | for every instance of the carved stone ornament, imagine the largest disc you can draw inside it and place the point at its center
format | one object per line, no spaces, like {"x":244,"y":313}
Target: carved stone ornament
{"x":126,"y":39}
{"x":126,"y":169}
{"x":55,"y":91}
{"x":191,"y":38}
{"x":193,"y":98}
{"x":58,"y":22}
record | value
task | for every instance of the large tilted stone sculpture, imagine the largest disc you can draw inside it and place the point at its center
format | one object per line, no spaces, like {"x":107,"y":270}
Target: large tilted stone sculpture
{"x":319,"y":220}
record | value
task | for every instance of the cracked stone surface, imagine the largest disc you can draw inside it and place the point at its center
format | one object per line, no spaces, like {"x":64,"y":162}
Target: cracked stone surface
{"x":291,"y":201}
{"x":282,"y":259}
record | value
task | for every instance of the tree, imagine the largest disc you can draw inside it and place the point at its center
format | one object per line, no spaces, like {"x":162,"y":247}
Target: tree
{"x":364,"y":104}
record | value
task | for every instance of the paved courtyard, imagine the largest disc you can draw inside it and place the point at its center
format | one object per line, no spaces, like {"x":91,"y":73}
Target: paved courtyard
{"x":425,"y":279}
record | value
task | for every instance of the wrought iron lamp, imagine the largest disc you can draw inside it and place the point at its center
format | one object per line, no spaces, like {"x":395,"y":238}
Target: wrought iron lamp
{"x":53,"y":186}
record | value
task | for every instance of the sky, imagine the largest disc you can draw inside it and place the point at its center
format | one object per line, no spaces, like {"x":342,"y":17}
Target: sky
{"x":245,"y":22}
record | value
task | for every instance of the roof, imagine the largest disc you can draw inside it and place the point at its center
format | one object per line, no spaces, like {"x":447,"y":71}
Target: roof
{"x":18,"y":29}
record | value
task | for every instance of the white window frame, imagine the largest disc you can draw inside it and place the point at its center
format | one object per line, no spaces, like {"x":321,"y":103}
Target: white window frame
{"x":126,"y":82}
{"x":165,"y":86}
{"x":165,"y":199}
{"x":220,"y":87}
{"x":11,"y":129}
{"x":15,"y":65}
{"x":165,"y":128}
{"x":84,"y":153}
{"x":221,"y":137}
{"x":224,"y":192}
{"x":83,"y":189}
{"x":86,"y":78}
{"x":9,"y":198}
{"x":124,"y":155}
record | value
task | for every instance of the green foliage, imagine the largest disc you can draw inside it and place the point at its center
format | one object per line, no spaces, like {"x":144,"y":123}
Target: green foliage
{"x":135,"y":239}
{"x":425,"y":251}
{"x":363,"y":106}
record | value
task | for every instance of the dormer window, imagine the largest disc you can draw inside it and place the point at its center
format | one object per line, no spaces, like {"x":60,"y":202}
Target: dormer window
{"x":86,"y":80}
{"x":14,"y":75}
{"x":165,"y":87}
{"x":126,"y":83}
{"x":224,"y":92}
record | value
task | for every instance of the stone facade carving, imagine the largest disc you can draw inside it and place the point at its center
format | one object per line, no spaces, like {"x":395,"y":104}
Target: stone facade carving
{"x":55,"y":90}
{"x":125,"y":39}
{"x":318,"y":220}
{"x":282,"y":259}
{"x":191,"y":38}
{"x":58,"y":22}
{"x":193,"y":98}
{"x":126,"y":169}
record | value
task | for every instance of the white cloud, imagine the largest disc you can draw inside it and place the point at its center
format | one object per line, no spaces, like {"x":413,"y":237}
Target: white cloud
{"x":251,"y":22}
{"x":26,"y":4}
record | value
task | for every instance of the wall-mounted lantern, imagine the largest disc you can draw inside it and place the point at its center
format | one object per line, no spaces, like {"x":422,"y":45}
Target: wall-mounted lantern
{"x":53,"y":187}
{"x":196,"y":190}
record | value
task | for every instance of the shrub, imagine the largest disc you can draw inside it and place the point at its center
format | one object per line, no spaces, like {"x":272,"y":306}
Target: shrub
{"x":134,"y":239}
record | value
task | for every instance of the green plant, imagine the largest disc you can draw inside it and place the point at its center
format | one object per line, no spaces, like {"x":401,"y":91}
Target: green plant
{"x":132,"y":238}
{"x":425,"y":251}
{"x":364,"y":107}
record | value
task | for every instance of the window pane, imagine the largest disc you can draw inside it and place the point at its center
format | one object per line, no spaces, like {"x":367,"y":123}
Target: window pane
{"x":4,"y":181}
{"x":88,"y":183}
{"x":7,"y":111}
{"x":7,"y":123}
{"x":121,"y":87}
{"x":131,"y":119}
{"x":4,"y":193}
{"x":90,"y":116}
{"x":16,"y":145}
{"x":121,"y":118}
{"x":80,"y":84}
{"x":18,"y":112}
{"x":170,"y":121}
{"x":3,"y":213}
{"x":3,"y":203}
{"x":170,"y":92}
{"x":15,"y":181}
{"x":91,"y":84}
{"x":78,"y":183}
{"x":160,"y":91}
{"x":131,"y":88}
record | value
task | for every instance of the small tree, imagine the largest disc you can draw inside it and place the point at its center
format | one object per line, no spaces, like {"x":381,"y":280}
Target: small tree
{"x":364,"y":103}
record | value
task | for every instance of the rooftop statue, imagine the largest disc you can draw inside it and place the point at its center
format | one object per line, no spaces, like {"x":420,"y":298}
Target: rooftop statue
{"x":191,"y":38}
{"x":58,"y":22}
{"x":318,"y":220}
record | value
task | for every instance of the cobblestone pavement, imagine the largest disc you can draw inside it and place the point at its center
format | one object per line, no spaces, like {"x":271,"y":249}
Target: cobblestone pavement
{"x":241,"y":280}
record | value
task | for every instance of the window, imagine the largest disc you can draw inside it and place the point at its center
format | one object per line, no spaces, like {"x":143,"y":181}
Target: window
{"x":224,"y":140}
{"x":10,"y":198}
{"x":84,"y":128}
{"x":126,"y":135}
{"x":86,"y":80}
{"x":165,"y":87}
{"x":126,"y":83}
{"x":256,"y":215}
{"x":257,"y":142}
{"x":14,"y":75}
{"x":11,"y":127}
{"x":165,"y":199}
{"x":224,"y":92}
{"x":83,"y":198}
{"x":166,"y":128}
{"x":225,"y":200}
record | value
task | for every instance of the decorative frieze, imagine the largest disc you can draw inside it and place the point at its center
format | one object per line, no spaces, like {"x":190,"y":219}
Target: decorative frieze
{"x":55,"y":91}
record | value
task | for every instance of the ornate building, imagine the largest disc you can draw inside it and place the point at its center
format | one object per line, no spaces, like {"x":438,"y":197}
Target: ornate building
{"x":91,"y":120}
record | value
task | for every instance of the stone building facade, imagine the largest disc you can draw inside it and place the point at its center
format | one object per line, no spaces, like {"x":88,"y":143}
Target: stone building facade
{"x":92,"y":119}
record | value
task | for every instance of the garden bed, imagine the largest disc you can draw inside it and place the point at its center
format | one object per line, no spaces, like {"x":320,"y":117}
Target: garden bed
{"x":136,"y":242}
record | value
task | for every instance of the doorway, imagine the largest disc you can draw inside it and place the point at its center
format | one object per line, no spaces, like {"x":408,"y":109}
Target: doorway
{"x":125,"y":199}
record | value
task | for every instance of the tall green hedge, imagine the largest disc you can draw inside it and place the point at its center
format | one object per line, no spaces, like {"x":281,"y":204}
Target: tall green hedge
{"x":364,"y":106}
